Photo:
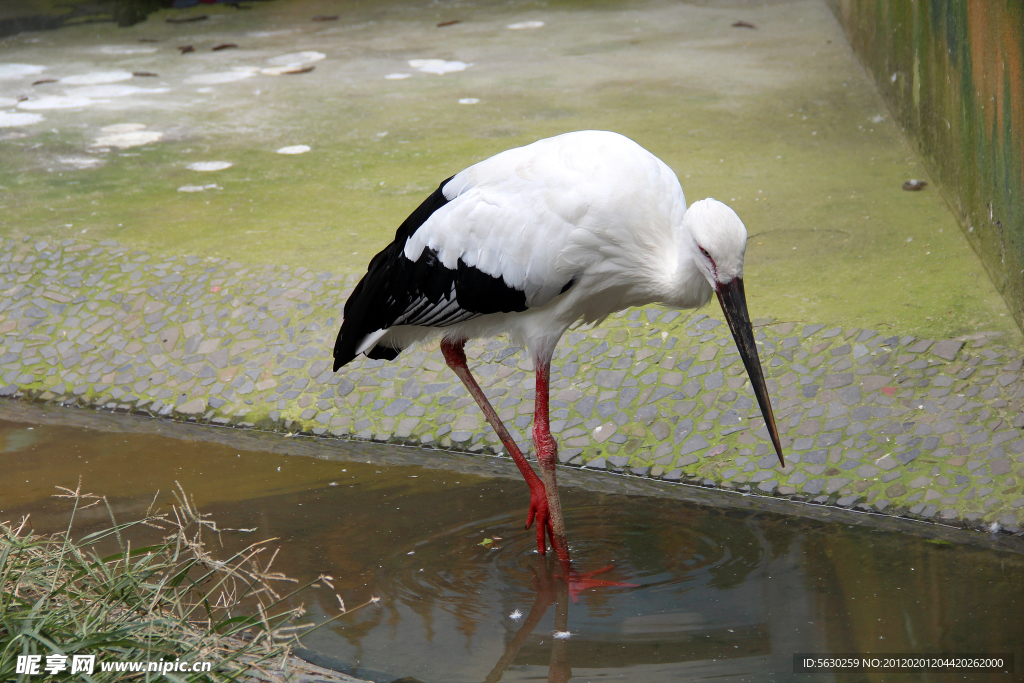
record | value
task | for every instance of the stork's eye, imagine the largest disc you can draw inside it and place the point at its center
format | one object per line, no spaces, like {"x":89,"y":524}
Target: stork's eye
{"x":705,"y":252}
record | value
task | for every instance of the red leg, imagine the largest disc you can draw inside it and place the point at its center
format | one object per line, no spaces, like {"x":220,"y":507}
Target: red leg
{"x":547,"y":456}
{"x":455,"y":356}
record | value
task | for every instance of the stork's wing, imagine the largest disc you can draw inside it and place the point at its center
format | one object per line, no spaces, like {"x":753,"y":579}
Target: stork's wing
{"x":510,"y":233}
{"x":486,"y":241}
{"x":509,"y":217}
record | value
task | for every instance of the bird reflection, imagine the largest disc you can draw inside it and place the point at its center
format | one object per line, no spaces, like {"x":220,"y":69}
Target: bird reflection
{"x":550,"y":588}
{"x":555,"y":584}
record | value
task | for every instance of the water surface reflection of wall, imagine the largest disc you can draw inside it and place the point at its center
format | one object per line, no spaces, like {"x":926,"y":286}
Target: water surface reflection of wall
{"x":952,"y":72}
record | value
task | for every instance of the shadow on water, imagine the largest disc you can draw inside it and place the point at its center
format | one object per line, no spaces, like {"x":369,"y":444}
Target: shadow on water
{"x":716,"y":592}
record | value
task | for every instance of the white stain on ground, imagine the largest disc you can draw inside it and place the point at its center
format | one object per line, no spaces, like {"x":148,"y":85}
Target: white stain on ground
{"x":267,"y":34}
{"x":8,"y":102}
{"x":55,"y":102}
{"x":561,"y":635}
{"x":199,"y":188}
{"x":525,"y":24}
{"x":397,"y":77}
{"x":97,"y":78}
{"x":9,"y":72}
{"x":130,"y":139}
{"x":297,"y":58}
{"x":284,"y":64}
{"x":279,"y":70}
{"x":209,"y":166}
{"x":468,"y":100}
{"x":437,"y":66}
{"x":80,"y":162}
{"x":127,"y":50}
{"x":294,"y":149}
{"x":102,"y":91}
{"x":123,"y":127}
{"x":8,"y":119}
{"x":238,"y":74}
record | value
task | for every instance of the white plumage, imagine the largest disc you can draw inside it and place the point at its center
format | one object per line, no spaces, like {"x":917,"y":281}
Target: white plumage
{"x":555,"y":211}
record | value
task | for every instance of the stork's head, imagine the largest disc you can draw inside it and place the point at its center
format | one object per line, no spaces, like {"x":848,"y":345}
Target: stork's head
{"x":720,"y":240}
{"x":719,"y":243}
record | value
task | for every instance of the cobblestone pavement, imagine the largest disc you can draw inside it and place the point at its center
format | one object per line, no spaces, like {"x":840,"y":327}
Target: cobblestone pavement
{"x":870,"y":419}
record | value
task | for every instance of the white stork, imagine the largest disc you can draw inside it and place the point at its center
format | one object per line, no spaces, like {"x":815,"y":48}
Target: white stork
{"x":574,"y":227}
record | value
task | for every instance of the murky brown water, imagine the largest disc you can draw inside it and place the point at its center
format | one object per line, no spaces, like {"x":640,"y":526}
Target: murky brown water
{"x":723,"y":594}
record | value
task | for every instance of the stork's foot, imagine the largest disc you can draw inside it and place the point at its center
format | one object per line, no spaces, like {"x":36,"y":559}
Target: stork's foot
{"x":540,"y":513}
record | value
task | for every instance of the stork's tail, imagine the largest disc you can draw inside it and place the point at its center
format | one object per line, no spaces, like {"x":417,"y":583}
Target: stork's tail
{"x":371,"y":307}
{"x":346,"y":348}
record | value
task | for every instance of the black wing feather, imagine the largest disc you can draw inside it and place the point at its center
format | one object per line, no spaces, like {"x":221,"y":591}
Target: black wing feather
{"x":398,"y":291}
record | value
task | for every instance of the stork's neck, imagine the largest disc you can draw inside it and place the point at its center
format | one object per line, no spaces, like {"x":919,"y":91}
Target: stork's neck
{"x":684,"y":286}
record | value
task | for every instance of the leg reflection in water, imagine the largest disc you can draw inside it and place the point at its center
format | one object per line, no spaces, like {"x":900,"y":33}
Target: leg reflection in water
{"x":553,"y":585}
{"x":559,"y":670}
{"x":550,"y":587}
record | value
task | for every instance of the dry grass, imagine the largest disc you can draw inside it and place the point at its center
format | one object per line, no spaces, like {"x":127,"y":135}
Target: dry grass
{"x":173,"y":601}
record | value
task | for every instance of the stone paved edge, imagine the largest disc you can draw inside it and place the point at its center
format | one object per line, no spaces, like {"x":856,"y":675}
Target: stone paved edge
{"x":870,"y":420}
{"x":495,"y":466}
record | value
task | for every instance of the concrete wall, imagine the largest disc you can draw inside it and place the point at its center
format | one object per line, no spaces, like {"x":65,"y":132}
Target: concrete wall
{"x":952,"y":72}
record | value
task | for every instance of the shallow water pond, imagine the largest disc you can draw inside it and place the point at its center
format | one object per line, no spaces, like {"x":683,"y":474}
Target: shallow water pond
{"x":712,"y":592}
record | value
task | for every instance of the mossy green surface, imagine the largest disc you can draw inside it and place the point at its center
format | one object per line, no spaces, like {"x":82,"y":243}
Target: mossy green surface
{"x":953,"y":74}
{"x":779,"y":121}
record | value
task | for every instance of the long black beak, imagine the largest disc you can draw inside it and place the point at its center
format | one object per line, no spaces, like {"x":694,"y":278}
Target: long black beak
{"x":734,"y":306}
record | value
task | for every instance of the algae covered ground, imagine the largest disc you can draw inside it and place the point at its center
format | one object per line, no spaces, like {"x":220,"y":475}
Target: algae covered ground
{"x":778,"y":120}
